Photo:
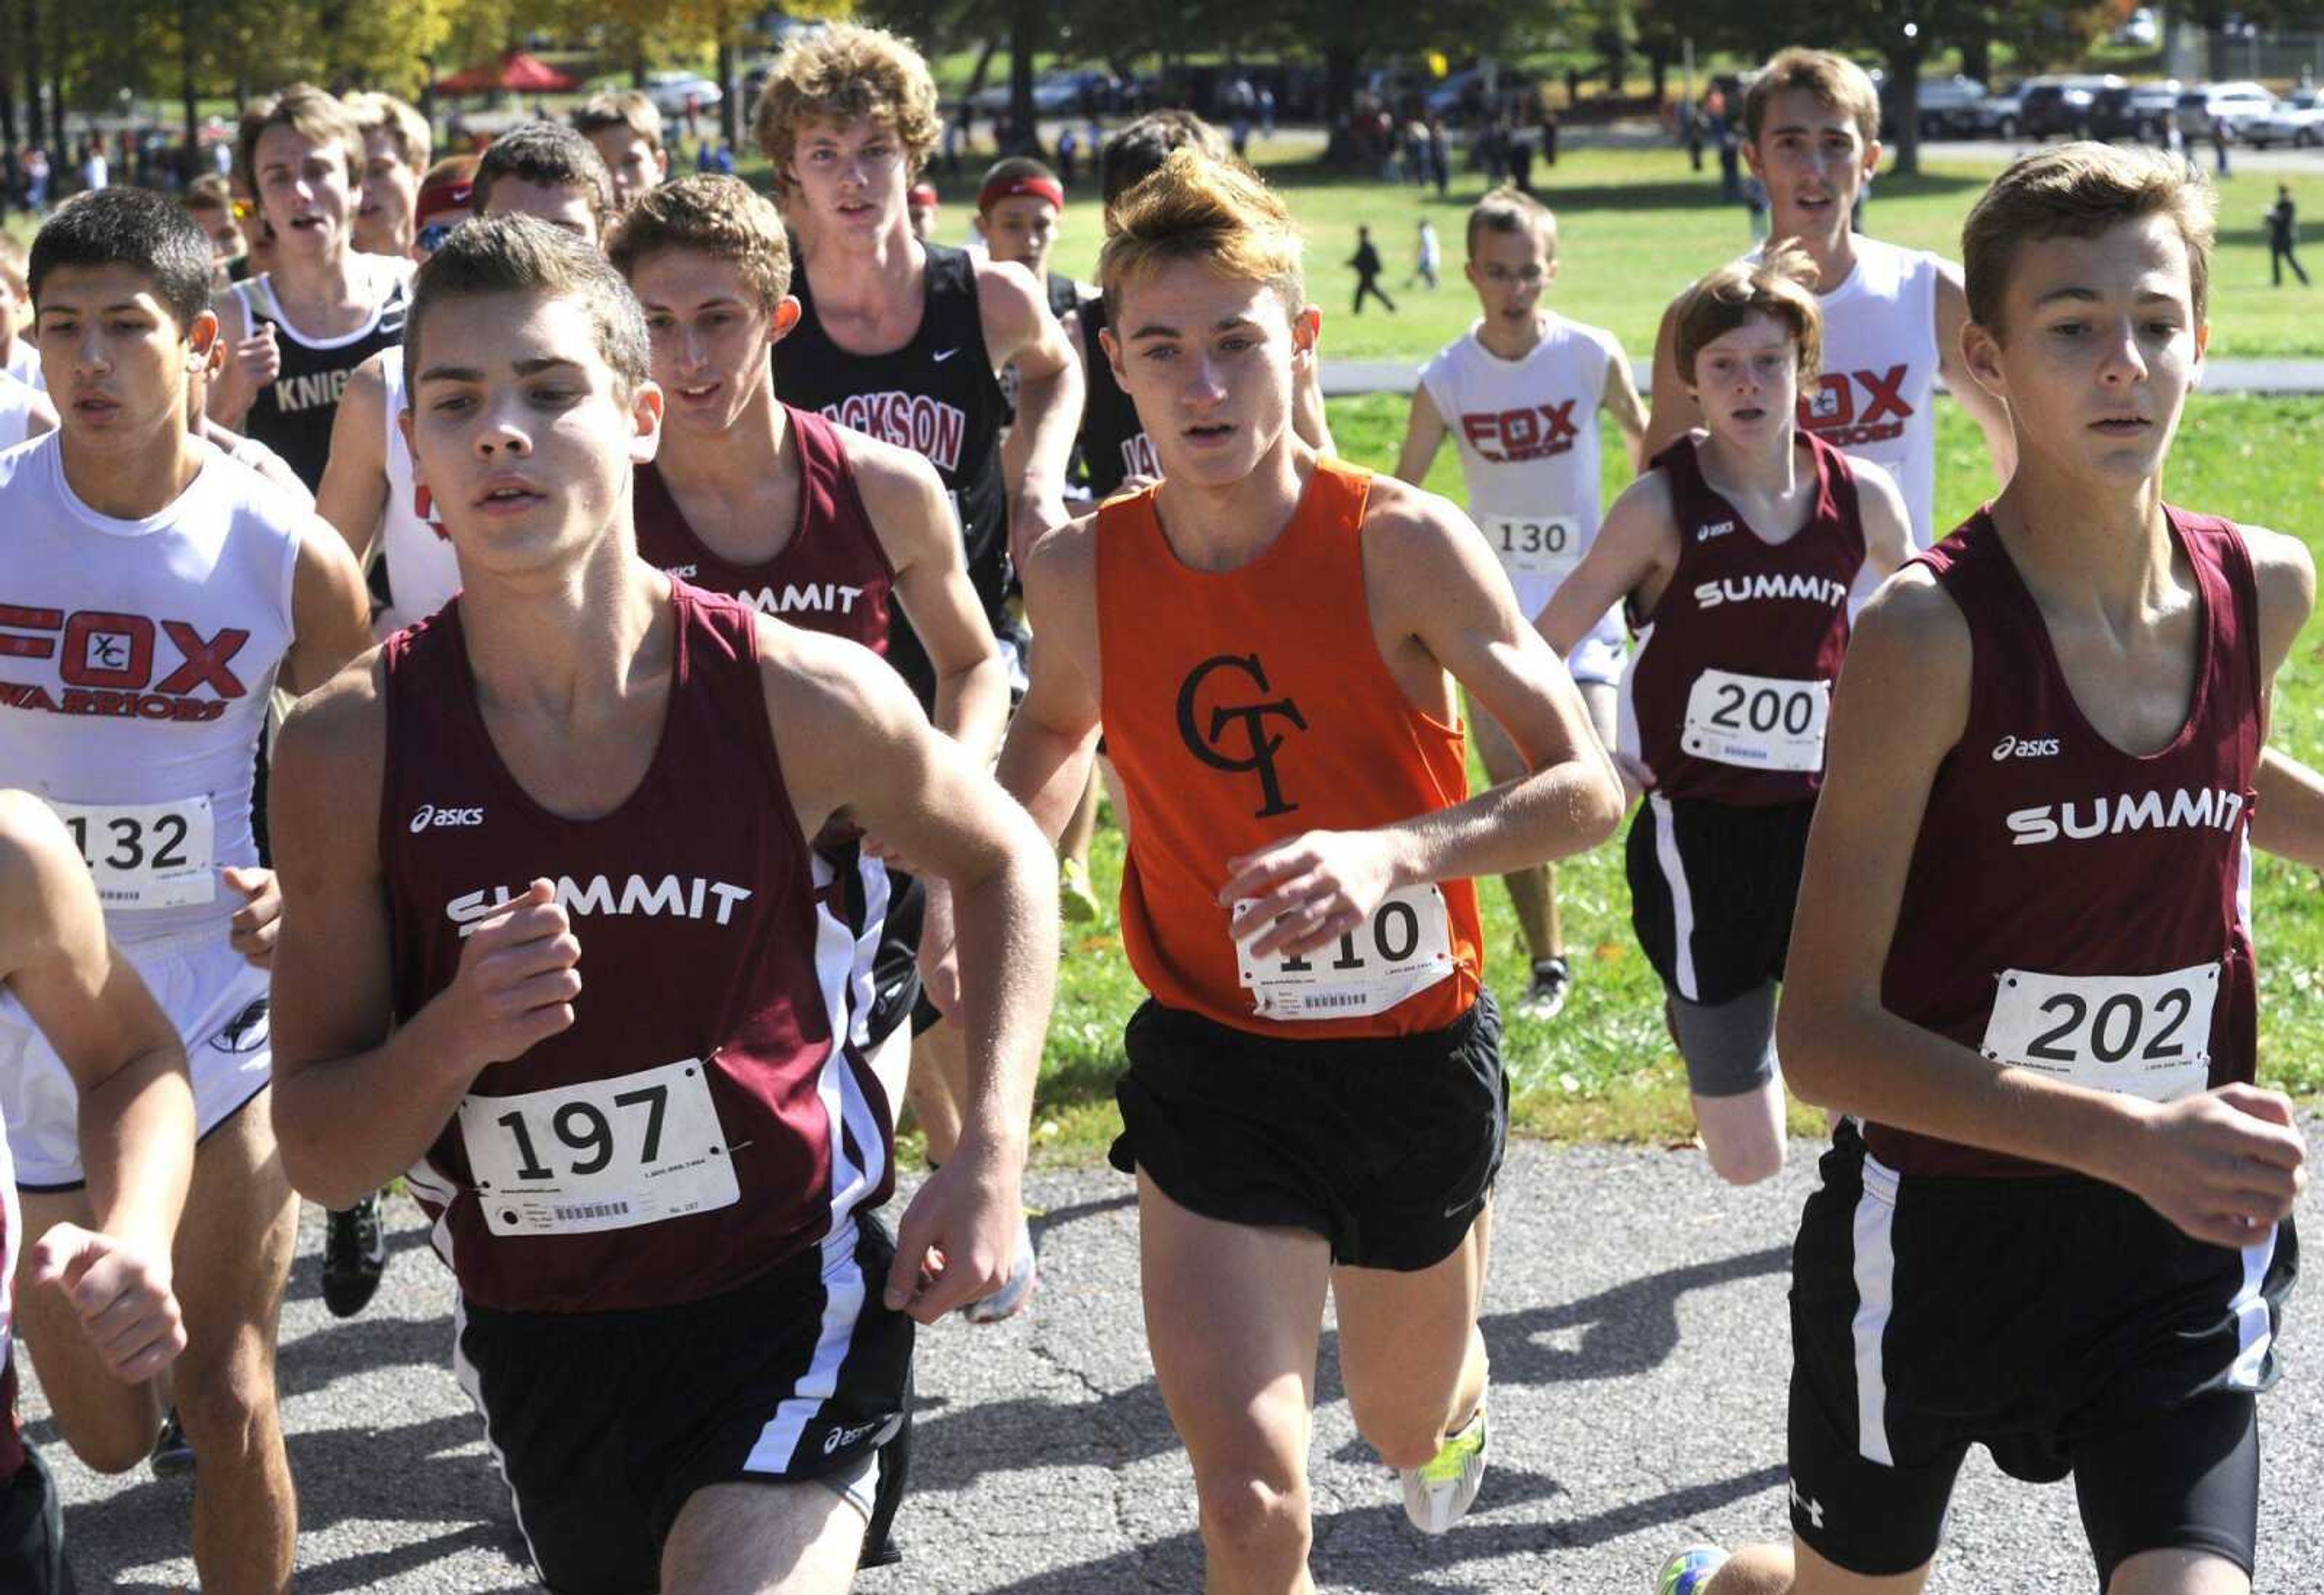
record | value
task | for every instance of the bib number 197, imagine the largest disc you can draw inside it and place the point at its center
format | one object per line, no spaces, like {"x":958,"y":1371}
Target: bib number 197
{"x":1404,"y":948}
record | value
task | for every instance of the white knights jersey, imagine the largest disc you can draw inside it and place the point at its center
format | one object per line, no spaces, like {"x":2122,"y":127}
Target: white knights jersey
{"x":422,"y":570}
{"x":1527,"y":433}
{"x":1880,"y":373}
{"x":16,"y":402}
{"x":136,"y":658}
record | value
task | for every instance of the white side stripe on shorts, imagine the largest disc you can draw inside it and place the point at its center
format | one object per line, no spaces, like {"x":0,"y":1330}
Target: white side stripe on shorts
{"x":473,"y":1383}
{"x":1875,"y":1295}
{"x":1674,"y":869}
{"x":2254,"y":1333}
{"x":845,"y":1289}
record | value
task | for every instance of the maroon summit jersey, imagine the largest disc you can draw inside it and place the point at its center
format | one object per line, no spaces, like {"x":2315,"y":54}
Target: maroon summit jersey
{"x":2071,"y":908}
{"x":698,"y":1123}
{"x":1732,"y":681}
{"x":832,"y":576}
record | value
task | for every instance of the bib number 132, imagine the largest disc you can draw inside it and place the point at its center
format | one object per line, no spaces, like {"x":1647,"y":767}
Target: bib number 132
{"x":1404,"y":948}
{"x":152,"y":855}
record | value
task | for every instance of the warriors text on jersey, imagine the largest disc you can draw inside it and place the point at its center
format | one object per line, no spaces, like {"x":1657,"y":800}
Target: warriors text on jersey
{"x":136,"y":662}
{"x":2106,"y":940}
{"x":1732,"y":681}
{"x":1264,"y":709}
{"x":704,"y":1119}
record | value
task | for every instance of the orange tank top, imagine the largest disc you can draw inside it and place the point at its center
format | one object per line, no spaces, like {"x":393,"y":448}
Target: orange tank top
{"x":1247,"y":705}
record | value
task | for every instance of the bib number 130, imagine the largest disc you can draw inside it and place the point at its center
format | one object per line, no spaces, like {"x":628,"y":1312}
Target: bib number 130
{"x":1536,"y":545}
{"x":1404,"y":948}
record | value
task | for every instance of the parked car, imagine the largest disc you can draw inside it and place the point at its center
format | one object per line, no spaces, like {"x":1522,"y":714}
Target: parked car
{"x":1458,"y":93}
{"x":1948,"y":107}
{"x":2298,"y":120}
{"x":1999,"y":115}
{"x":2239,"y":103}
{"x":2062,"y":107}
{"x":670,"y":91}
{"x":2135,"y":110}
{"x":1060,"y":93}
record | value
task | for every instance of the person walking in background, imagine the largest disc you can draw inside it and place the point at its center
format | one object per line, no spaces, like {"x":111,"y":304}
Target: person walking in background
{"x":1429,"y":256}
{"x":1366,"y":262}
{"x":2222,"y":135}
{"x":2283,"y":236}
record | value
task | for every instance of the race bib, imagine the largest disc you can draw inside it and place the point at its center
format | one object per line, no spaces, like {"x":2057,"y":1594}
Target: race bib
{"x":145,"y":855}
{"x":2144,"y":1035}
{"x":603,"y":1155}
{"x":1404,"y":948}
{"x":1756,"y":722}
{"x":1536,"y":545}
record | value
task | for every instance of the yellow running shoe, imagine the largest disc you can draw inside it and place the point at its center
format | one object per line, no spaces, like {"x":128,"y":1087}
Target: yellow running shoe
{"x":1437,"y":1494}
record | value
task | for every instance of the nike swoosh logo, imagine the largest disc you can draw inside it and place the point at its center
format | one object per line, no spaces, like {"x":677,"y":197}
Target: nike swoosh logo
{"x":944,"y":354}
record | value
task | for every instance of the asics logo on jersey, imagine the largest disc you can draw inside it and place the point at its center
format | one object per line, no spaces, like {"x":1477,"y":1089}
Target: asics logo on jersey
{"x":1703,"y":534}
{"x":1530,"y":432}
{"x":1831,"y":409}
{"x":676,"y":896}
{"x":1750,"y":589}
{"x":428,"y":814}
{"x":2211,"y":808}
{"x":108,"y":664}
{"x":684,"y":572}
{"x":926,"y":426}
{"x":1245,"y":724}
{"x":2024,"y":747}
{"x":316,"y":389}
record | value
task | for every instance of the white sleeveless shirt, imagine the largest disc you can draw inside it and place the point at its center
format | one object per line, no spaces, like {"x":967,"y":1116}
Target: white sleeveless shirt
{"x":1528,"y":435}
{"x":136,"y":660}
{"x":423,"y":572}
{"x":17,"y":400}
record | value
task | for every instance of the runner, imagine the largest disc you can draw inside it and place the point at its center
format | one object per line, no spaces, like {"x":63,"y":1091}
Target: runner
{"x":817,"y":524}
{"x":25,"y":411}
{"x":1525,"y":385}
{"x":1892,"y":315}
{"x":2057,"y":1220}
{"x":155,"y":594}
{"x":397,"y":146}
{"x":625,"y":127}
{"x":904,"y":340}
{"x":370,"y":493}
{"x":921,"y":204}
{"x":445,"y":197}
{"x":1734,"y":557}
{"x":18,"y":357}
{"x":654,"y":1335}
{"x":69,"y":999}
{"x":1314,"y":1101}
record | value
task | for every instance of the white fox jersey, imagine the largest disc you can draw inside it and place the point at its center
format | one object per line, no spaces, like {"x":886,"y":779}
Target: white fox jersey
{"x":15,"y":411}
{"x":136,"y":658}
{"x":1880,"y":359}
{"x":422,"y":570}
{"x":1527,"y":433}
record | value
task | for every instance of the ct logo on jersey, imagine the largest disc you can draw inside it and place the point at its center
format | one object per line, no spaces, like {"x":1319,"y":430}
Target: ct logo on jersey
{"x":117,"y":664}
{"x":1847,"y":409}
{"x":1531,"y":432}
{"x":1234,"y":736}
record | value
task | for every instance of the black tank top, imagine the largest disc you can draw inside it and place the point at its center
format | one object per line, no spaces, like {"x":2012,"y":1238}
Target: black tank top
{"x":936,"y":395}
{"x":292,"y":415}
{"x":1114,"y":444}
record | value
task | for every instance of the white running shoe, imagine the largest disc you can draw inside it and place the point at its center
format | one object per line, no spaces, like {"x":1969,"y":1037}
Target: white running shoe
{"x":1437,"y":1494}
{"x":1010,"y":1300}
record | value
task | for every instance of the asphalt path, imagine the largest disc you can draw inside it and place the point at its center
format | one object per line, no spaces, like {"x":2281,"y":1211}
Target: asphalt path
{"x":1636,"y":1322}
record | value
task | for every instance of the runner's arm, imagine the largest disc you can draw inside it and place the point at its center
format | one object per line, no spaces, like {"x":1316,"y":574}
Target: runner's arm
{"x":2210,"y":1163}
{"x":1020,"y":330}
{"x":854,"y":742}
{"x":1044,"y":761}
{"x":353,"y":497}
{"x":1991,"y":413}
{"x":1887,"y":523}
{"x":2288,"y":820}
{"x":1423,"y":435}
{"x":136,"y":1103}
{"x":331,"y":611}
{"x":1635,"y":551}
{"x":1621,"y":400}
{"x":1676,"y":412}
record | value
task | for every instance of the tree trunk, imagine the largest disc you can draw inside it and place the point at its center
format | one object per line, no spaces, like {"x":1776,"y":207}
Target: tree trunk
{"x":190,"y":162}
{"x":36,"y":121}
{"x":1658,"y":67}
{"x":1904,"y":96}
{"x":1976,"y":60}
{"x":1025,"y":20}
{"x":1341,"y":61}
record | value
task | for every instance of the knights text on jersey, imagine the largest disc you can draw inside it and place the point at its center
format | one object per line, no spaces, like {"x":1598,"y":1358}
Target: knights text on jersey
{"x":2105,"y":940}
{"x":293,"y":414}
{"x":704,"y":1119}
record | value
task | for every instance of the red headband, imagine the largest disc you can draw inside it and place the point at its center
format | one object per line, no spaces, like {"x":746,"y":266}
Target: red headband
{"x":439,"y":198}
{"x":922,"y":194}
{"x":1020,"y":187}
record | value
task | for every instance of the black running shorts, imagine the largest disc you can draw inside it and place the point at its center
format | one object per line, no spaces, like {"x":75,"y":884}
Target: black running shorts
{"x":606,"y":1423}
{"x":2058,"y":1321}
{"x":1387,"y":1148}
{"x":1712,"y":892}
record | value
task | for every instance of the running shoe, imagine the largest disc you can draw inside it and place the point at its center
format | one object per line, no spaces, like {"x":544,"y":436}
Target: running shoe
{"x":1010,"y":1300}
{"x":173,"y":1454}
{"x":1076,"y":898}
{"x":355,"y":1255}
{"x":1545,"y":999}
{"x":1689,"y":1572}
{"x":1437,"y":1494}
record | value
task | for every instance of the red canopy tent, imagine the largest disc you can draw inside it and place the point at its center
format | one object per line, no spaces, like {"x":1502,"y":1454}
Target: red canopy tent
{"x":516,"y":72}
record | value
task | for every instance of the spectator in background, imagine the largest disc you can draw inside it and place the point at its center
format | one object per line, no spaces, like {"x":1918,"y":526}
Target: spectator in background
{"x":2282,"y":237}
{"x":1266,"y":110}
{"x":95,"y":173}
{"x":1428,"y":256}
{"x":1366,"y":263}
{"x":1755,"y":200}
{"x":2222,"y":135}
{"x":625,"y":128}
{"x":36,"y":180}
{"x":1549,"y":134}
{"x":1440,"y":157}
{"x":1520,"y":161}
